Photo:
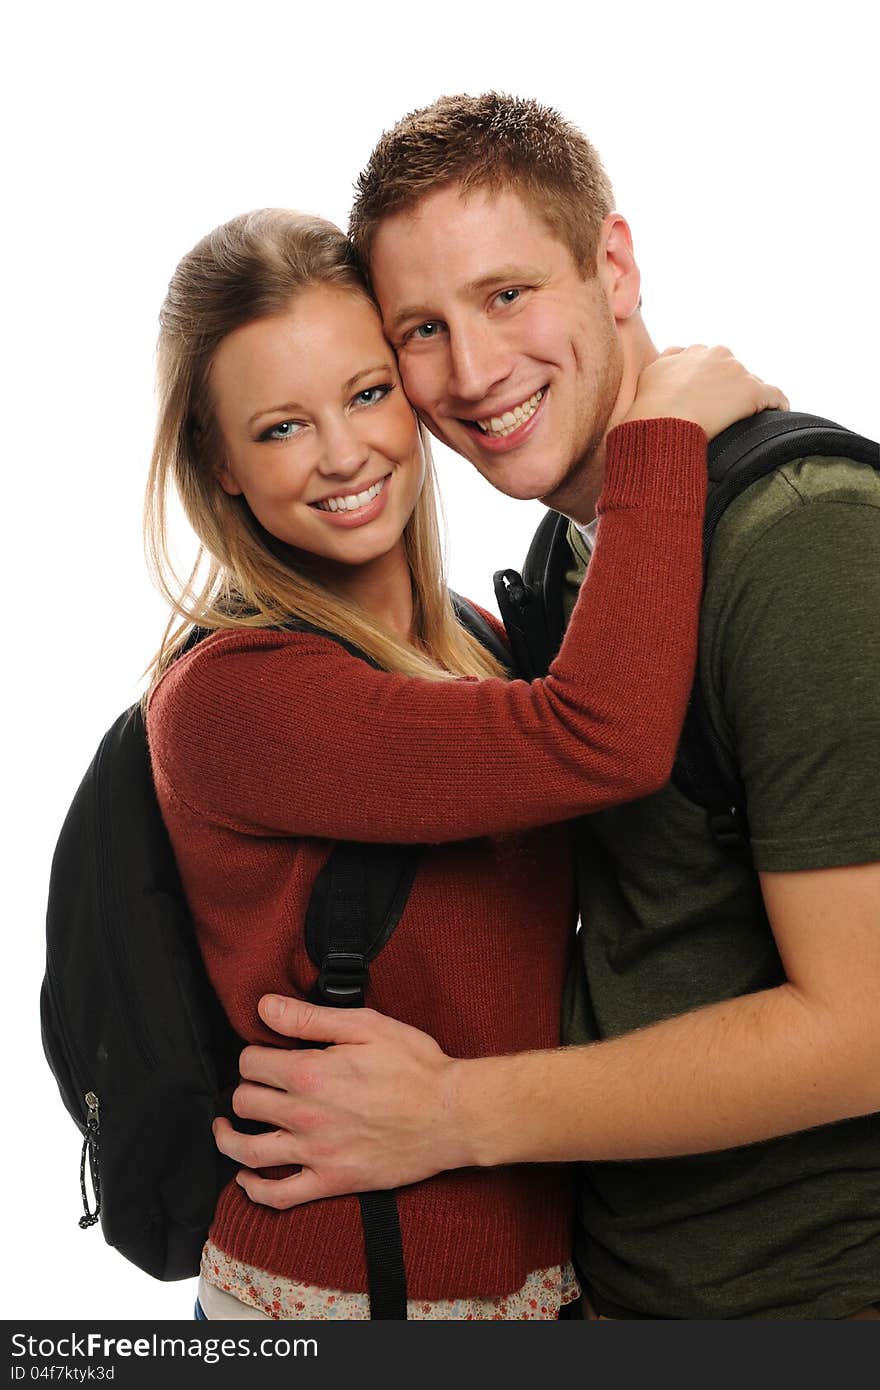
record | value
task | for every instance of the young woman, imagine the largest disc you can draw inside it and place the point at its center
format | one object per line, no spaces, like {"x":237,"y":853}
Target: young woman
{"x":305,"y":476}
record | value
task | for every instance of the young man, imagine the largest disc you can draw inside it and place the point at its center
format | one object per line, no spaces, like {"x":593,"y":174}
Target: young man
{"x":723,"y":1090}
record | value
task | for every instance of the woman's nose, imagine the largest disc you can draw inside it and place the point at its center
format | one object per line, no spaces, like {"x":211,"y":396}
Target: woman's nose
{"x":344,"y":452}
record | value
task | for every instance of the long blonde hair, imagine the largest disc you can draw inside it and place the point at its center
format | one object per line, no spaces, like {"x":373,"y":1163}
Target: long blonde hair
{"x":250,"y":268}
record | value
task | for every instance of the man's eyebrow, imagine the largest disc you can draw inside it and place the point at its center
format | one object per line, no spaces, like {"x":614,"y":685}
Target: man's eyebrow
{"x":512,"y":274}
{"x":346,"y":386}
{"x":504,"y":275}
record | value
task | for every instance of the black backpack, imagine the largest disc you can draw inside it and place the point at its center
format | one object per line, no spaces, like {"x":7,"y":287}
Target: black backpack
{"x":531,"y":603}
{"x":140,"y":1048}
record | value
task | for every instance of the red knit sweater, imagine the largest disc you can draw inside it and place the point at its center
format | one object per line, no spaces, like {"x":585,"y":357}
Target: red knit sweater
{"x":269,"y":745}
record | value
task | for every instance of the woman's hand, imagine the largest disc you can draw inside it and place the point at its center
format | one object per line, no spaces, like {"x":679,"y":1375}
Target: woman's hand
{"x":706,"y":385}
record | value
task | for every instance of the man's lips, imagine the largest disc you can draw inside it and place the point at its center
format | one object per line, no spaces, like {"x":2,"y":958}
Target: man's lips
{"x":509,"y":436}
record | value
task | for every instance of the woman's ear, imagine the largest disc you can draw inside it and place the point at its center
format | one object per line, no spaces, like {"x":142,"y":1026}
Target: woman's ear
{"x":617,"y":267}
{"x":224,"y":475}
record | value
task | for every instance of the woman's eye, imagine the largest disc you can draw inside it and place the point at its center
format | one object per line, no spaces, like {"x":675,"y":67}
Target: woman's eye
{"x":508,"y":296}
{"x":372,"y":395}
{"x":285,"y":429}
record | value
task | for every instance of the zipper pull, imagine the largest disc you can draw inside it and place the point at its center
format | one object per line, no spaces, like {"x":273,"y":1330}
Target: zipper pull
{"x":90,"y":1147}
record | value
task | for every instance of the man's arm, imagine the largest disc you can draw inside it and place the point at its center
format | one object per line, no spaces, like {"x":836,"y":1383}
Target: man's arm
{"x":385,"y":1106}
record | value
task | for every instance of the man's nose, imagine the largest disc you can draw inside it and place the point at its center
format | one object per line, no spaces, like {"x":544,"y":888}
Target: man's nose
{"x":478,"y":361}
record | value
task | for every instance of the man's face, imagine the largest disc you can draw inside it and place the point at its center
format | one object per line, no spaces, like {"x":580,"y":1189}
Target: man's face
{"x":509,"y":355}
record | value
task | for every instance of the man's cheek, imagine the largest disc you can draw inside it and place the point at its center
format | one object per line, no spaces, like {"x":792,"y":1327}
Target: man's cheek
{"x":422,"y":381}
{"x":429,"y":423}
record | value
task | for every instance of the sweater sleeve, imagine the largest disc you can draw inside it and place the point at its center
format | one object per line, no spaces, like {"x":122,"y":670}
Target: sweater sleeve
{"x":286,"y":733}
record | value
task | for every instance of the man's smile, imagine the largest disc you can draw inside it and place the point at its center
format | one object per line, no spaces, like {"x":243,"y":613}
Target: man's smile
{"x":506,"y":421}
{"x":509,"y":427}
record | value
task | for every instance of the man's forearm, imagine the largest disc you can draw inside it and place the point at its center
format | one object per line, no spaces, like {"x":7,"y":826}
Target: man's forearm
{"x":384,"y":1106}
{"x":733,"y":1073}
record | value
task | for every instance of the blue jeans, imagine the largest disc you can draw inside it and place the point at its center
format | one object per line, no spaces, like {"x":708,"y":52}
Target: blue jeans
{"x":199,"y":1313}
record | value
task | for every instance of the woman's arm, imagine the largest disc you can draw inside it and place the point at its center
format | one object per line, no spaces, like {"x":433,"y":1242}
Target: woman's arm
{"x":286,"y":733}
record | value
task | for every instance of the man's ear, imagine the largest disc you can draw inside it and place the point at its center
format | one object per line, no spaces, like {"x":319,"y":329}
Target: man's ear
{"x":617,"y":267}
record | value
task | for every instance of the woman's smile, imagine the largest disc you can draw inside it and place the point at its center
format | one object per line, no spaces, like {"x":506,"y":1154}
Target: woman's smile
{"x":355,"y":508}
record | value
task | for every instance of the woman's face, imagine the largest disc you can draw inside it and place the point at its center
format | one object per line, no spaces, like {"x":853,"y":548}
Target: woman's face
{"x":317,"y":432}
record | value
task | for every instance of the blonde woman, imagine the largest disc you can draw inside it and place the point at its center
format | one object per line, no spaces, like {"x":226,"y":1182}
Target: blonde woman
{"x":303,"y":472}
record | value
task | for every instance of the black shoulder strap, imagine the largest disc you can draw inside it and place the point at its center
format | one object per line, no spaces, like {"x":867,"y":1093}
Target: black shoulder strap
{"x":745,"y":452}
{"x":530,"y":604}
{"x":357,"y":901}
{"x":754,"y":447}
{"x":472,"y":619}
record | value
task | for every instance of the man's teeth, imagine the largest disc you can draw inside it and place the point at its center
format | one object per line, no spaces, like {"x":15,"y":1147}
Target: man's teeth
{"x":351,"y":504}
{"x":500,"y":425}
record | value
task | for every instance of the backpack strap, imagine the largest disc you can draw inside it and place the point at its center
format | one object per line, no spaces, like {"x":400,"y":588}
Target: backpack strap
{"x":357,"y":901}
{"x":530,"y":604}
{"x":472,"y":619}
{"x":750,"y":449}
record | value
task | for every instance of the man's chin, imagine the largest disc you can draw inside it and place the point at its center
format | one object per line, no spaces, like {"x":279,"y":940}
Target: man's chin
{"x":522,"y":484}
{"x":515,"y":477}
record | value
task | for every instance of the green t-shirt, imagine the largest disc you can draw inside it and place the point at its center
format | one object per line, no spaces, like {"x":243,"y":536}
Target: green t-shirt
{"x":790,"y":663}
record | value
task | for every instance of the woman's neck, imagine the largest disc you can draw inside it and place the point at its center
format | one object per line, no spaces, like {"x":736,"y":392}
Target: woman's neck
{"x":383,"y":588}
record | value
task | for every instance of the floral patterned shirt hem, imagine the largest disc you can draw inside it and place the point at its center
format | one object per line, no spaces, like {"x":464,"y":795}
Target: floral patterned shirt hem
{"x":542,"y":1295}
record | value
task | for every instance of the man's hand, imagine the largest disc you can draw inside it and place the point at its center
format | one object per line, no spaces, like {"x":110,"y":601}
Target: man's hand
{"x":365,"y":1113}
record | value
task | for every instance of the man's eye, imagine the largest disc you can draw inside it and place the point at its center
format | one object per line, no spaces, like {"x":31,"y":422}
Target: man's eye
{"x":285,"y":429}
{"x":372,"y":395}
{"x":508,"y":296}
{"x":426,"y":330}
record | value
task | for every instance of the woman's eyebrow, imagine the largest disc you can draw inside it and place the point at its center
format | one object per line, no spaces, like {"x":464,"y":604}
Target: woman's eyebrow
{"x":346,"y":386}
{"x":367,"y":371}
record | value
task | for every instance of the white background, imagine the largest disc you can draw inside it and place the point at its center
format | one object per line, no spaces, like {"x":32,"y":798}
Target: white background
{"x":741,"y":143}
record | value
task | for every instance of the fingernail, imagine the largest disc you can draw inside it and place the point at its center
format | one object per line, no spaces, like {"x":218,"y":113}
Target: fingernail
{"x":273,"y":1006}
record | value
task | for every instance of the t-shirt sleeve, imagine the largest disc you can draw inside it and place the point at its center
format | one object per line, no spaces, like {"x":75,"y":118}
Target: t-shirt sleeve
{"x":799,"y":675}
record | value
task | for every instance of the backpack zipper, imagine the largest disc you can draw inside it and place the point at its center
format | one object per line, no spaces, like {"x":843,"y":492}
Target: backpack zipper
{"x":91,"y":1148}
{"x":92,"y":1125}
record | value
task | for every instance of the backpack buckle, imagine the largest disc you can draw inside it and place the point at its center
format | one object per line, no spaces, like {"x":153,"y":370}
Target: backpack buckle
{"x":343,"y":978}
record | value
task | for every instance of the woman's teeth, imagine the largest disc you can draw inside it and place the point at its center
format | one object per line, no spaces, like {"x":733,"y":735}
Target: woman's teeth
{"x":351,"y":504}
{"x":500,"y":425}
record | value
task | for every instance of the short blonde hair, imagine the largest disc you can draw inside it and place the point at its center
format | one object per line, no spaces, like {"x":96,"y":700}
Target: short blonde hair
{"x":250,"y":268}
{"x":494,"y":142}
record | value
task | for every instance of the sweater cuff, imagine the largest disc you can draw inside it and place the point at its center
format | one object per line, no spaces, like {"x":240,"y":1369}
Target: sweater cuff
{"x":656,"y":463}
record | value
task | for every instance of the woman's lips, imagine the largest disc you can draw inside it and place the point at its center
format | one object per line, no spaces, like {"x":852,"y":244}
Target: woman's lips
{"x":358,"y":516}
